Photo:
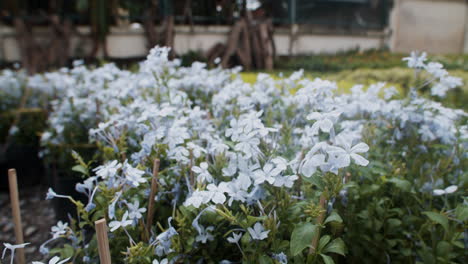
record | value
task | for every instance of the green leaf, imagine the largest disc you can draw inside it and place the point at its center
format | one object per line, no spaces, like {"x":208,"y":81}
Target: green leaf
{"x":327,"y":259}
{"x":336,"y":246}
{"x":302,"y":237}
{"x":323,"y":242}
{"x":403,"y":185}
{"x":333,"y":217}
{"x":264,"y":260}
{"x":443,"y":248}
{"x":67,"y":251}
{"x":80,"y":169}
{"x":439,"y":219}
{"x":462,"y":212}
{"x":393,"y":223}
{"x":316,"y":179}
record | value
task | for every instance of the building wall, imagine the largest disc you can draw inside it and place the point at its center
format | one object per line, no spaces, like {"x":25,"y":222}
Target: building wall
{"x":131,"y":42}
{"x":435,"y":26}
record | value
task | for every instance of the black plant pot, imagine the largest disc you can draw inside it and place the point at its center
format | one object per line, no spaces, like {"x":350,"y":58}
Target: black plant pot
{"x":29,"y":167}
{"x":63,"y":182}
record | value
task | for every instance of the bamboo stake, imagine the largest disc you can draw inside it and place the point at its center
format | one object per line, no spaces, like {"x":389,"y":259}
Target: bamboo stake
{"x":154,"y":189}
{"x":103,"y":241}
{"x":15,"y":209}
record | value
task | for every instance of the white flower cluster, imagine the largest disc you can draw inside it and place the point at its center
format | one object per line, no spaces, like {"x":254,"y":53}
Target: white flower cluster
{"x":443,"y":81}
{"x":226,"y":141}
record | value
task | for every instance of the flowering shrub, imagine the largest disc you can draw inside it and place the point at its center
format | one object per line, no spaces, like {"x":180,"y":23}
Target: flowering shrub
{"x":280,"y":171}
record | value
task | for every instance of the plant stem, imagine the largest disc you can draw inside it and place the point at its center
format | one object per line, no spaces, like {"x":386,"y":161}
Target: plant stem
{"x":320,"y":219}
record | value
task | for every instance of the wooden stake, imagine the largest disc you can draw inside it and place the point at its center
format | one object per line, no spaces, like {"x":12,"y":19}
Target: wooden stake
{"x":15,"y":209}
{"x":103,"y":241}
{"x":154,"y":189}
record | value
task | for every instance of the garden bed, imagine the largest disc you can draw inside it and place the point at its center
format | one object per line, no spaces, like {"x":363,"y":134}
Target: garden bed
{"x":197,"y":165}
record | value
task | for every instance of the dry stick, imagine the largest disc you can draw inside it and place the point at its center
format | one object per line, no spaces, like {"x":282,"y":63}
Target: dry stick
{"x":15,"y":208}
{"x":154,"y":189}
{"x":320,"y":219}
{"x":103,"y":241}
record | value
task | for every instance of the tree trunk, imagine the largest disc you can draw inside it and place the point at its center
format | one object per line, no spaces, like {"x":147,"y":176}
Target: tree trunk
{"x":233,"y":42}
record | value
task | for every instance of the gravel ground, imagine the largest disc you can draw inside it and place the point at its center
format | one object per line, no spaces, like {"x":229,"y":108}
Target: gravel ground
{"x":37,"y":216}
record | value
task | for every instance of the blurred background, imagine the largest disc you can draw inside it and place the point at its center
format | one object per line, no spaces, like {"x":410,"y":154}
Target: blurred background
{"x":347,"y":41}
{"x":257,"y":34}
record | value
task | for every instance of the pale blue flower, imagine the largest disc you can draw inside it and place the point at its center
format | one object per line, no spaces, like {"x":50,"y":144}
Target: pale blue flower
{"x":258,"y":232}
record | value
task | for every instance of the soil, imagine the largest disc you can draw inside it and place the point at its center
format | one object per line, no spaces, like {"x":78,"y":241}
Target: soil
{"x":38,"y":217}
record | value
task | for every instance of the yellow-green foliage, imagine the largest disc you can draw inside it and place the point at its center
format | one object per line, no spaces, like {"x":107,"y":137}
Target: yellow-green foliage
{"x":400,"y":78}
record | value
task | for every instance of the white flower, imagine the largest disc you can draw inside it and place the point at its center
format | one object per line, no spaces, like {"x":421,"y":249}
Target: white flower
{"x":287,"y":181}
{"x":59,"y":229}
{"x":416,"y":60}
{"x":51,"y":195}
{"x":108,"y":170}
{"x":13,"y":130}
{"x":196,"y":150}
{"x":324,"y":121}
{"x":258,"y":232}
{"x":203,"y":173}
{"x":111,"y":207}
{"x":248,"y":144}
{"x":281,"y":258}
{"x":266,"y":174}
{"x":436,"y":69}
{"x":235,"y":238}
{"x":86,"y":187}
{"x":198,"y":198}
{"x":216,"y":193}
{"x":235,"y":130}
{"x":204,"y":234}
{"x":114,"y":225}
{"x":12,"y":248}
{"x":448,"y":190}
{"x":135,"y":212}
{"x":244,"y":181}
{"x":234,"y":191}
{"x":390,"y":92}
{"x":341,"y":157}
{"x":180,"y":154}
{"x":426,"y":133}
{"x":54,"y":260}
{"x":281,"y":164}
{"x":163,"y":261}
{"x":133,"y":175}
{"x":311,"y":161}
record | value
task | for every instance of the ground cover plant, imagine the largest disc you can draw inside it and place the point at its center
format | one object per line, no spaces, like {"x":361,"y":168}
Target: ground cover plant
{"x":282,"y":170}
{"x":356,"y":59}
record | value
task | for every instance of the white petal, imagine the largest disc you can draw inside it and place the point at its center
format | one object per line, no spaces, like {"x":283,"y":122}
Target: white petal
{"x":341,"y":161}
{"x":451,"y":189}
{"x":314,"y":116}
{"x":308,"y":169}
{"x":326,"y":125}
{"x":218,"y":198}
{"x":360,"y":148}
{"x":359,"y":160}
